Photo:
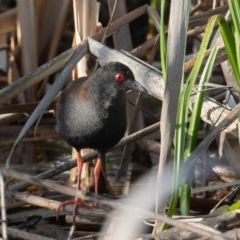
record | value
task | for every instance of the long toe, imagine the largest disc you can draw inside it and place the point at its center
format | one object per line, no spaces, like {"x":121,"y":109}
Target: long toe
{"x":76,"y":202}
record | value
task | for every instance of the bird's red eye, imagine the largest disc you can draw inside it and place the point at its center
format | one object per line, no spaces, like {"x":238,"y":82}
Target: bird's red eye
{"x":119,"y":77}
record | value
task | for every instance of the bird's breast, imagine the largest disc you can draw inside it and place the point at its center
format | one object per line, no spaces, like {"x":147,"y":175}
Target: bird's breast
{"x":89,"y":124}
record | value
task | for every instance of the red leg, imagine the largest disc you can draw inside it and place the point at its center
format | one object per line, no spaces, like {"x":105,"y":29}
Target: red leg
{"x":76,"y":201}
{"x":97,"y":171}
{"x":79,"y":169}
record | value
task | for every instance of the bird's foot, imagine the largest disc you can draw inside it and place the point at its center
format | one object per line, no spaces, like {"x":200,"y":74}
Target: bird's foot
{"x":77,"y":202}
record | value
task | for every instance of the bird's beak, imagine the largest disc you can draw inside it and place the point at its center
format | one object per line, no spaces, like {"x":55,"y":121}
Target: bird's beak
{"x":135,"y":85}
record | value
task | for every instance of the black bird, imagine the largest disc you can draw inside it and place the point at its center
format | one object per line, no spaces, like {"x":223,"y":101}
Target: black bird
{"x":91,"y":113}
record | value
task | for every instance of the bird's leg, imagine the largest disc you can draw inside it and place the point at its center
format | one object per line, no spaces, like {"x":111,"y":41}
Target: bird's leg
{"x":76,"y":201}
{"x":79,"y":169}
{"x":97,"y":171}
{"x":100,"y":166}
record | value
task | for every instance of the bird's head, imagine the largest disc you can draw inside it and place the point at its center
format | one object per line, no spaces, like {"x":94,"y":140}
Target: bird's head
{"x":123,"y":76}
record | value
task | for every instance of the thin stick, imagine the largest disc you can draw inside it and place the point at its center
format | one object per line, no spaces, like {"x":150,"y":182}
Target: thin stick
{"x":25,"y":235}
{"x":3,"y":208}
{"x":110,"y":21}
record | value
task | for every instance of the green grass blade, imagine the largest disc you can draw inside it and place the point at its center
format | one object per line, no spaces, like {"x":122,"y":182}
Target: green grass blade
{"x":232,"y":207}
{"x":234,"y":6}
{"x":182,"y":117}
{"x":195,"y":117}
{"x":163,"y":40}
{"x":194,"y":125}
{"x":230,"y":45}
